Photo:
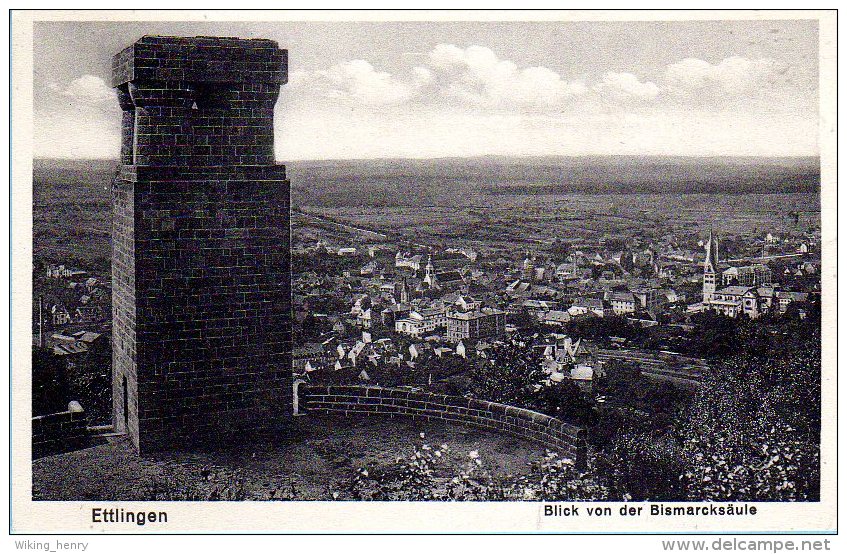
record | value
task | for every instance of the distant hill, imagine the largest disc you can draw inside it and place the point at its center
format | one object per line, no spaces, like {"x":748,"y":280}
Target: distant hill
{"x":450,"y":180}
{"x":455,"y":181}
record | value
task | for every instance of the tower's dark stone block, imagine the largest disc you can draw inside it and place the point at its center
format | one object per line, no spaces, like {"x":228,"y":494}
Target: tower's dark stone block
{"x":200,"y":243}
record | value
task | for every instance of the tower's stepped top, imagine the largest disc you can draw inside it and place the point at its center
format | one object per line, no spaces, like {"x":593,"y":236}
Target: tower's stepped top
{"x":201,"y":60}
{"x":198,"y":102}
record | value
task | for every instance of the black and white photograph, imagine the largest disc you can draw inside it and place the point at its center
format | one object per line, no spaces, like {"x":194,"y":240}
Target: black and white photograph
{"x":568,"y":265}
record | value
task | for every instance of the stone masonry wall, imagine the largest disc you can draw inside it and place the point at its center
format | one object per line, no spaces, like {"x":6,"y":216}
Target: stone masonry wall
{"x":201,"y":278}
{"x":500,"y":418}
{"x":212,"y":305}
{"x":59,"y":432}
{"x":199,"y":101}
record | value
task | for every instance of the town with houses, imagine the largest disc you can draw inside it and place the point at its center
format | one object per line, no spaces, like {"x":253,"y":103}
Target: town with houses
{"x":72,"y":310}
{"x":422,"y":316}
{"x":396,"y":314}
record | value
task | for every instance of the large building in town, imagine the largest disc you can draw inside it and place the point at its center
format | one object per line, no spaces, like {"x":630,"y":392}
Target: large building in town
{"x":483,"y":323}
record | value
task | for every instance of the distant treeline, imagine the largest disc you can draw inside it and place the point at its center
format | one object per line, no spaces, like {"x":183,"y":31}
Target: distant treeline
{"x":462,"y":181}
{"x":444,"y":181}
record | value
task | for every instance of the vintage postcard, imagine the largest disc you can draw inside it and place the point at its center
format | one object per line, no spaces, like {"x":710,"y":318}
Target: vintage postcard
{"x":423,"y":272}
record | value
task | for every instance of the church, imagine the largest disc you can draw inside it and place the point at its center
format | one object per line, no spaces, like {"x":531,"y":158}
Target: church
{"x":744,"y":290}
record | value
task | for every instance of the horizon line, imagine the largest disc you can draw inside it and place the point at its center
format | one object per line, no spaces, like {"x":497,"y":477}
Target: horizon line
{"x":483,"y":156}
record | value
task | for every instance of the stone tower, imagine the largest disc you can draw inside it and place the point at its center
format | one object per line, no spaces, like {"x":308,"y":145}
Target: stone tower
{"x":200,"y":243}
{"x":710,"y":269}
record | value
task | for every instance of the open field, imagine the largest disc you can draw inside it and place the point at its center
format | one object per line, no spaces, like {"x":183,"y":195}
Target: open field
{"x":544,"y":218}
{"x":480,"y":200}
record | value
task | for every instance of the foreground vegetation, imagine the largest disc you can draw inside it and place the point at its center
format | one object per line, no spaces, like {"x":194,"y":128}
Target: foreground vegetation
{"x":751,"y":433}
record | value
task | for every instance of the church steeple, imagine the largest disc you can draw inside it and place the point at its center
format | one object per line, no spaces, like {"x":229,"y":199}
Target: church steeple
{"x":711,"y":262}
{"x":710,"y":269}
{"x":529,"y":267}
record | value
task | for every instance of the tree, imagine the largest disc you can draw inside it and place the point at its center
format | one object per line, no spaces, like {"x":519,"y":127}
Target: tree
{"x":644,"y":466}
{"x":565,"y":401}
{"x":510,"y":374}
{"x":559,"y":251}
{"x":50,"y":390}
{"x":753,"y":432}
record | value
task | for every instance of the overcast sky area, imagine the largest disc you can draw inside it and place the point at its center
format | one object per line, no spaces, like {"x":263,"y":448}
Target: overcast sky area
{"x":424,"y":90}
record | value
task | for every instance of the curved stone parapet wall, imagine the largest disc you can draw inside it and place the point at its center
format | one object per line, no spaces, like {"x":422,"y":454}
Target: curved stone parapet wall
{"x":526,"y":424}
{"x":59,"y":432}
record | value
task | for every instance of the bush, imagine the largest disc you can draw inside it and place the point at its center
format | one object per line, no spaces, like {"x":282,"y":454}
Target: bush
{"x":644,"y":466}
{"x":421,"y":476}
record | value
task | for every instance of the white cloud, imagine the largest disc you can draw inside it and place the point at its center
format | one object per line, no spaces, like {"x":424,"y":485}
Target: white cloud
{"x":625,"y":86}
{"x":87,"y":89}
{"x":473,"y":76}
{"x":476,"y":75}
{"x":732,"y":76}
{"x":359,"y":81}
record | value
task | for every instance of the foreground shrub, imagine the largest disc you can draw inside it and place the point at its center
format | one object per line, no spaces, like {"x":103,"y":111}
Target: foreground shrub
{"x":422,"y":476}
{"x":644,"y":466}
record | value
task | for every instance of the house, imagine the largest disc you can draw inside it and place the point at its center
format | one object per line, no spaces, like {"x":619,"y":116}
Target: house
{"x":440,"y":351}
{"x":729,"y":301}
{"x":647,"y":298}
{"x":483,"y":323}
{"x":586,"y":306}
{"x":407,"y":260}
{"x":482,"y":349}
{"x":420,"y":322}
{"x":60,"y":271}
{"x":566,"y":271}
{"x":784,"y":298}
{"x":623,"y":302}
{"x":391,"y":314}
{"x":88,"y":337}
{"x":747,"y":276}
{"x":356,"y":352}
{"x":369,"y":268}
{"x":89,"y":314}
{"x":364,"y":320}
{"x":412,"y":325}
{"x":60,"y":315}
{"x":361,"y":303}
{"x":735,"y":300}
{"x":669,"y":296}
{"x":538,"y":308}
{"x":339,"y":328}
{"x":556,"y":318}
{"x":583,"y":375}
{"x":468,"y":253}
{"x":70,"y":348}
{"x":418,"y":349}
{"x":518,"y":289}
{"x":341,"y":365}
{"x":457,"y":302}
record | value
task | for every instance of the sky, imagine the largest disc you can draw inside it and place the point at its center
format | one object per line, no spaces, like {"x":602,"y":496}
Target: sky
{"x":459,"y":89}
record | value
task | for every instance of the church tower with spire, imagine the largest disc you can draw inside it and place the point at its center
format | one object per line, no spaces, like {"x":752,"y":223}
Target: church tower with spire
{"x":429,"y":273}
{"x":404,"y":292}
{"x":529,"y":267}
{"x":710,"y":269}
